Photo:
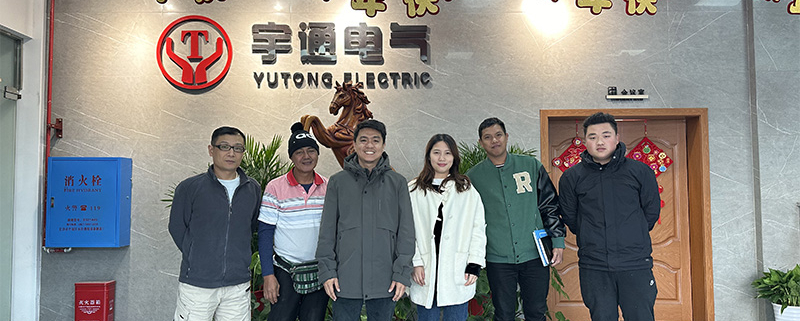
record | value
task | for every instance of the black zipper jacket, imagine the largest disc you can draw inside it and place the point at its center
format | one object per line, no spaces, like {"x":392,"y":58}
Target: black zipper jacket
{"x":212,"y":233}
{"x":611,"y":209}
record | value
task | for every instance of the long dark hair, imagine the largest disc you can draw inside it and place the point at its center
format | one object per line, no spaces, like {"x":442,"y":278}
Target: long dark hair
{"x":425,"y":178}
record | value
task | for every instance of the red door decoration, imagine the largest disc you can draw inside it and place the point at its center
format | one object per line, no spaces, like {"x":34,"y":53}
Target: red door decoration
{"x":660,"y":190}
{"x":571,"y":156}
{"x":647,"y":152}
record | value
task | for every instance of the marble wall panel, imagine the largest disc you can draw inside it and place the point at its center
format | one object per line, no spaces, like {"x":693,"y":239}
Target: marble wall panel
{"x":776,"y":44}
{"x":733,"y":237}
{"x":773,"y":52}
{"x":778,"y":144}
{"x":702,"y":5}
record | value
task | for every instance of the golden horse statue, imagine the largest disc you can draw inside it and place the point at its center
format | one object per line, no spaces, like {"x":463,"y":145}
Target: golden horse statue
{"x":339,"y":136}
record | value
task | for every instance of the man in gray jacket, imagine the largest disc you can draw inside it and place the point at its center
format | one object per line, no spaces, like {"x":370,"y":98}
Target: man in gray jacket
{"x":366,"y":239}
{"x":212,"y":219}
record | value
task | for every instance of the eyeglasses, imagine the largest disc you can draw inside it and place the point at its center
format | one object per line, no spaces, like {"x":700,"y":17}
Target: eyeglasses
{"x":225,"y":148}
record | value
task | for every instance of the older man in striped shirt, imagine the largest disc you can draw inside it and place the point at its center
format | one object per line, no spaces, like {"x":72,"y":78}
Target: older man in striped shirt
{"x":289,"y":223}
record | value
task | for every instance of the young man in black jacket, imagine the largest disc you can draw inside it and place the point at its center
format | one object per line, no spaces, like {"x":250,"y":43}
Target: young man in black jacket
{"x":611,"y":203}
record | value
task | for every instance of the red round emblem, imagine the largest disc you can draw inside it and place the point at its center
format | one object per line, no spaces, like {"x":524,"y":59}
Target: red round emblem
{"x":190,"y":50}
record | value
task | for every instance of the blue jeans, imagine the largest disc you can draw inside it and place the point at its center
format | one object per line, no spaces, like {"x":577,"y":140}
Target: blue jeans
{"x":350,"y":309}
{"x":534,"y":283}
{"x":456,"y":312}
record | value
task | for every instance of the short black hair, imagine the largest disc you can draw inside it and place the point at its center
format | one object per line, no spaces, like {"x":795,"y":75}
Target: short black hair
{"x":225,"y":130}
{"x":599,"y":118}
{"x":371,"y":123}
{"x":489,"y":122}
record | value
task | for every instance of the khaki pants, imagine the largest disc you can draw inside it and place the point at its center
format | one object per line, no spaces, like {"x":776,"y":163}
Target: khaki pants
{"x":229,"y":303}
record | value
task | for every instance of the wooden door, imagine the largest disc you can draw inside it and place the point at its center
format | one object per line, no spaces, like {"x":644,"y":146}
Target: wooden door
{"x":670,"y":236}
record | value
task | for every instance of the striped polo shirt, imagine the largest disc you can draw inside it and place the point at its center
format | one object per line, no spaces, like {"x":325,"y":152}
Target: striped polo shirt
{"x":295,"y":214}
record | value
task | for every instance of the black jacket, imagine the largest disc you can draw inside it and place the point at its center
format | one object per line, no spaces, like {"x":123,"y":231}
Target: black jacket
{"x":212,"y":233}
{"x":611,"y":208}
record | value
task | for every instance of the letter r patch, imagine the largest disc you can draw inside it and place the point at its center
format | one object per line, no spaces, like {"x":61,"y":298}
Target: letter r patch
{"x":523,"y":180}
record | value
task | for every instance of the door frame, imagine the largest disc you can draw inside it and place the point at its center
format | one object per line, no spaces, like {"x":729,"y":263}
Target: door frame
{"x":698,"y":182}
{"x":9,"y":125}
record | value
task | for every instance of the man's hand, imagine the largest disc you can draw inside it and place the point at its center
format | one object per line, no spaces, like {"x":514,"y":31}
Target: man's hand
{"x":471,"y":278}
{"x":271,"y":288}
{"x":418,"y":275}
{"x":331,"y":287}
{"x":399,"y":290}
{"x":558,"y":255}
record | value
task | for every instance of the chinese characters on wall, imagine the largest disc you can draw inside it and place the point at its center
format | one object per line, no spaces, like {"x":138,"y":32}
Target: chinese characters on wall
{"x":633,"y":7}
{"x":318,"y":41}
{"x":318,"y":47}
{"x":418,"y":8}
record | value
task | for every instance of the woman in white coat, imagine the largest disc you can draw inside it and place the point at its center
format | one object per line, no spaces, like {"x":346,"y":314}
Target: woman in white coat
{"x":450,"y":234}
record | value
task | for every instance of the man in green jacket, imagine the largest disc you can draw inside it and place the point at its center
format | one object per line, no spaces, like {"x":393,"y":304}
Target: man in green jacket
{"x":518,"y":199}
{"x":366,"y":238}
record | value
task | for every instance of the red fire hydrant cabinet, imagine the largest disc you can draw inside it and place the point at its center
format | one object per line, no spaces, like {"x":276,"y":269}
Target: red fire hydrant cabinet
{"x":94,"y":301}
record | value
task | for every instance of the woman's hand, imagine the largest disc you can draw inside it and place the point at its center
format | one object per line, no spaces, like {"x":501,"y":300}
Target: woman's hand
{"x":471,"y":278}
{"x":418,"y":275}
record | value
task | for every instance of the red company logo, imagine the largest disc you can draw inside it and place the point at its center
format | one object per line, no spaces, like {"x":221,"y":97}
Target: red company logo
{"x":194,"y":68}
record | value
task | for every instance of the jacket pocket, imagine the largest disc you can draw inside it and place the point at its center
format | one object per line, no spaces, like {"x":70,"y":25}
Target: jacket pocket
{"x":387,"y":229}
{"x":389,"y":224}
{"x":208,"y":260}
{"x":188,"y":258}
{"x":384,"y":244}
{"x":348,"y":243}
{"x":459,"y":267}
{"x":632,"y":235}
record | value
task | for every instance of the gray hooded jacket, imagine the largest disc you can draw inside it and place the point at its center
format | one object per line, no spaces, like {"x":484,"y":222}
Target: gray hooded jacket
{"x":366,"y":239}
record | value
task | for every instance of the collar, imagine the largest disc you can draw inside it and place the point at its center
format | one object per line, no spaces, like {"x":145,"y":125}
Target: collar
{"x":240,"y":175}
{"x":351,"y":165}
{"x":508,"y":163}
{"x":616,"y":157}
{"x":293,"y":181}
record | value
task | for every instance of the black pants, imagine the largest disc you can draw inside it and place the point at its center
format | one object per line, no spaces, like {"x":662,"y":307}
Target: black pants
{"x":633,"y":291}
{"x":291,"y":305}
{"x":534,"y":283}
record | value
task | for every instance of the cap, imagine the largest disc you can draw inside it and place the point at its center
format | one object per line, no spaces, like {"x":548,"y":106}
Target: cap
{"x":301,"y":138}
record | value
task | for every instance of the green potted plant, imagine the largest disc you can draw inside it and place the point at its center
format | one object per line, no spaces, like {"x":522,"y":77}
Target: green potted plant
{"x":261,"y":162}
{"x":782,"y":289}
